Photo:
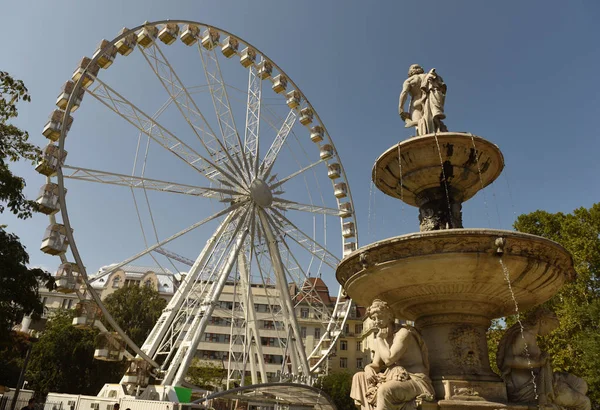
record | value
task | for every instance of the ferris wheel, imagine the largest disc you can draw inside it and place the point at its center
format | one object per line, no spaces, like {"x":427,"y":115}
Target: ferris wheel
{"x":214,"y":132}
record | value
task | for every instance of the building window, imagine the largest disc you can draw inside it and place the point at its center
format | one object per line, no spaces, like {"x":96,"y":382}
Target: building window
{"x":116,"y":281}
{"x":343,"y":362}
{"x":44,"y":300}
{"x":64,"y":303}
{"x":358,"y":328}
{"x":304,"y":313}
{"x":148,"y":283}
{"x":359,"y":364}
{"x":343,"y":345}
{"x":70,"y":304}
{"x":347,"y":329}
{"x":317,"y":332}
{"x":303,"y":332}
{"x":359,"y":346}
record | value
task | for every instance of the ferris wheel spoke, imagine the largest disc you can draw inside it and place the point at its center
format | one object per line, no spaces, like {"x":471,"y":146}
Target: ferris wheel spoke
{"x":111,"y":178}
{"x":251,"y":136}
{"x":186,"y":105}
{"x":171,"y":238}
{"x":220,"y":99}
{"x":282,"y":287}
{"x":286,"y":204}
{"x":295,"y":174}
{"x":286,"y":228}
{"x":150,"y":127}
{"x":278,"y":142}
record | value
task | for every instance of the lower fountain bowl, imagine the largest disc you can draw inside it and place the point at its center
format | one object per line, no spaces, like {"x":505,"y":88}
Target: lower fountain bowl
{"x":457,"y":271}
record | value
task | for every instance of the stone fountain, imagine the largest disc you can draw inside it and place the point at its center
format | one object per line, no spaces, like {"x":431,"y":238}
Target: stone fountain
{"x":451,"y":281}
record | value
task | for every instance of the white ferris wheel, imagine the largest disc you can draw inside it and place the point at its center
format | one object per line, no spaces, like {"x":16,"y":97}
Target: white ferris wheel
{"x":233,"y":146}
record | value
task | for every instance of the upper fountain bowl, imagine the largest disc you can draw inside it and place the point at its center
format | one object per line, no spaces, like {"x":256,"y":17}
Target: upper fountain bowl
{"x":470,"y":163}
{"x":456,"y":271}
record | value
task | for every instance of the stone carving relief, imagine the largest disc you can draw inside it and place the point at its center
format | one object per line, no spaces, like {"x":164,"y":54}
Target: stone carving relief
{"x":465,"y":350}
{"x":399,"y":373}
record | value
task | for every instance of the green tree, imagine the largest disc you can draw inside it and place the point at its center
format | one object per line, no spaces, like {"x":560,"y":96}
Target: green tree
{"x":62,"y":360}
{"x":136,"y":309}
{"x":12,"y":355}
{"x":206,"y":374}
{"x":18,"y":283}
{"x":575,"y":345}
{"x":337,"y":385}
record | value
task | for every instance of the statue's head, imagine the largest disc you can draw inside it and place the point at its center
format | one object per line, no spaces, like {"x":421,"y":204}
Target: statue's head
{"x":545,"y":318}
{"x":415,"y":69}
{"x":380,"y":313}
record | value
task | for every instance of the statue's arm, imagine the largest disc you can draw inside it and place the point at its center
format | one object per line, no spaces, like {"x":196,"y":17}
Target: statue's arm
{"x":519,"y":354}
{"x":397,"y":349}
{"x":403,"y":95}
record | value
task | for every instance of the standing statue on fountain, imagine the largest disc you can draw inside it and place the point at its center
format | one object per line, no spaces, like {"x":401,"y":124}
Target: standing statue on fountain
{"x":527,"y":370}
{"x":399,"y":373}
{"x":427,"y":97}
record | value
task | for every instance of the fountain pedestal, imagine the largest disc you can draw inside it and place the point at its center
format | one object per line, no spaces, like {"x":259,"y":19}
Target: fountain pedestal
{"x":452,"y":282}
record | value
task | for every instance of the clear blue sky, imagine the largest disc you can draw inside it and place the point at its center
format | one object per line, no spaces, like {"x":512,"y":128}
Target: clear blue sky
{"x":520,"y":74}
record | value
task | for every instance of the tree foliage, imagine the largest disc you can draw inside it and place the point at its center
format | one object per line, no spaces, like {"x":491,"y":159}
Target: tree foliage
{"x":136,"y":309}
{"x":14,"y":147}
{"x":18,"y":284}
{"x":575,"y":345}
{"x":62,"y":360}
{"x":205,"y":374}
{"x":12,"y":356}
{"x":337,"y":385}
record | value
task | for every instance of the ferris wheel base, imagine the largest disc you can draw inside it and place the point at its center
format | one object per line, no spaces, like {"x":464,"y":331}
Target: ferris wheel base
{"x":173,"y":394}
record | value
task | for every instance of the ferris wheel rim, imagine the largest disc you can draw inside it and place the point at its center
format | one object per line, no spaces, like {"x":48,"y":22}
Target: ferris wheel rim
{"x":60,"y":176}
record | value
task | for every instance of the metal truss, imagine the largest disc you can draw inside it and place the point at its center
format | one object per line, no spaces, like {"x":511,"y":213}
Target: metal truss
{"x":251,"y":136}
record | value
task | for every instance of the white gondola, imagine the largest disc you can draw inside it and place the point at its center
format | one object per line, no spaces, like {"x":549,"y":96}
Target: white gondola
{"x":230,"y":46}
{"x":334,"y":170}
{"x":91,"y":71}
{"x":109,"y":347}
{"x":279,"y":83}
{"x":66,"y":277}
{"x":293,"y":98}
{"x":147,"y":35}
{"x":306,"y":115}
{"x":316,"y":133}
{"x":340,"y":190}
{"x":47,"y":199}
{"x":349,"y":247}
{"x":65,"y":94}
{"x":53,"y":126}
{"x":86,"y":314}
{"x":210,"y":38}
{"x":51,"y":160}
{"x":137,"y":373}
{"x":326,"y":152}
{"x":247,"y":57}
{"x":127,"y":44}
{"x":348,"y":230}
{"x":168,"y":34}
{"x":346,"y":209}
{"x":107,"y":53}
{"x":265,"y":68}
{"x":189,"y":34}
{"x":55,"y":240}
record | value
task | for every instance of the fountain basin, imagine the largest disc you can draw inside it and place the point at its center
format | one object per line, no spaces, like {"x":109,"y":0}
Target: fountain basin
{"x":465,"y":157}
{"x":452,"y":283}
{"x":456,"y":270}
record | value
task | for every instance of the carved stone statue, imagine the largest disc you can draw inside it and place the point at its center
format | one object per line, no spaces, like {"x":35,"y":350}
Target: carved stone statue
{"x":427,"y":97}
{"x":399,"y":373}
{"x":527,"y":371}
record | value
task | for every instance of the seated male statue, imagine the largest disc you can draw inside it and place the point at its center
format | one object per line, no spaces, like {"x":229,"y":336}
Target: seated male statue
{"x":527,"y":370}
{"x":399,"y":372}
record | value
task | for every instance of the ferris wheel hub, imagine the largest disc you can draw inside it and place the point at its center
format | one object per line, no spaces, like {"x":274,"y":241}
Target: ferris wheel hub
{"x":261,"y":193}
